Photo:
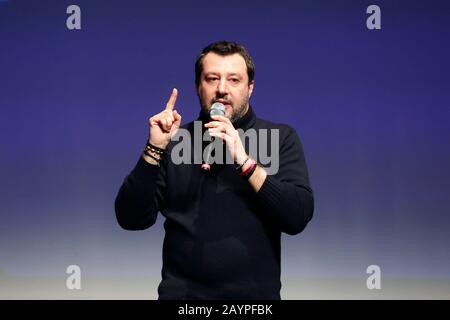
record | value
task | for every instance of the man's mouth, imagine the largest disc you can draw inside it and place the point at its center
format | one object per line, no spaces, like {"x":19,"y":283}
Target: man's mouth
{"x":224,"y":102}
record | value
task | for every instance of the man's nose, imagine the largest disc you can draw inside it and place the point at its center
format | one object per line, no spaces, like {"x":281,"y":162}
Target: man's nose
{"x":222,"y":87}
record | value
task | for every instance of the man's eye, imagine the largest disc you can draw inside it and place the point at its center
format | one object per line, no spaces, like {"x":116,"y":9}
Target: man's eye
{"x":235,"y":80}
{"x":211,"y":79}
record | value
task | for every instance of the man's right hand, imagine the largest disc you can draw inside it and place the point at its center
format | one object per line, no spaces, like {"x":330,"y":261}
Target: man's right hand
{"x":165,"y":124}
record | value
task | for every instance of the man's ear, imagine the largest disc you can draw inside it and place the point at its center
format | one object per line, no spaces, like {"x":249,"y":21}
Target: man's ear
{"x":250,"y":88}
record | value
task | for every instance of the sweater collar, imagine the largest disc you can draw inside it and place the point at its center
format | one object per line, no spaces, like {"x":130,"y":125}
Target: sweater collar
{"x":245,"y":122}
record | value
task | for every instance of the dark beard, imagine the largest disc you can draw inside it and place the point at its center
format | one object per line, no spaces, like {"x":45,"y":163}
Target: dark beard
{"x":239,"y":113}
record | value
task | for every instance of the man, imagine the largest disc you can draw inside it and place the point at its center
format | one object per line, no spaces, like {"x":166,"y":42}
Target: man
{"x":223,"y":226}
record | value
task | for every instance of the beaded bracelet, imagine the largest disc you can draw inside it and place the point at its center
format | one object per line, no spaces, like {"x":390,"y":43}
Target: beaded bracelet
{"x":153,"y":152}
{"x":153,"y":148}
{"x":147,"y":153}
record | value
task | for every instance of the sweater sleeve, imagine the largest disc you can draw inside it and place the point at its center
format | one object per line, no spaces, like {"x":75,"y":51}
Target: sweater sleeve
{"x":140,"y":196}
{"x":287,"y":196}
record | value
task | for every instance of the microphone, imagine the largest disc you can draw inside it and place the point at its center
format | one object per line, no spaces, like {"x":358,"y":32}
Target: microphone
{"x":217,"y":109}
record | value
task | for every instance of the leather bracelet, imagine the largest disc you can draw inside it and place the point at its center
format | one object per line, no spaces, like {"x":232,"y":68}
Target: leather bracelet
{"x":251,"y":171}
{"x":240,"y":166}
{"x":156,"y":152}
{"x":154,"y":148}
{"x":247,"y":171}
{"x":147,"y":153}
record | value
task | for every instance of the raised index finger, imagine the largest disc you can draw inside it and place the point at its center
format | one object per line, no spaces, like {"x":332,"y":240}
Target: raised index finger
{"x":173,"y":98}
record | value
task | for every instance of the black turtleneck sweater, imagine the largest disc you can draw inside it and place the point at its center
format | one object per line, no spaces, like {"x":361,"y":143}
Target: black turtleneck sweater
{"x":222,"y":238}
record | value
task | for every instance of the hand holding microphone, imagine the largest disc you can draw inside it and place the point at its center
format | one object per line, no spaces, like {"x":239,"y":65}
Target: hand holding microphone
{"x":221,"y":127}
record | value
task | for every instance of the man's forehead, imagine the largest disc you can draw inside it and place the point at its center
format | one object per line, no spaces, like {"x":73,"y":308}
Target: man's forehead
{"x":233,"y":63}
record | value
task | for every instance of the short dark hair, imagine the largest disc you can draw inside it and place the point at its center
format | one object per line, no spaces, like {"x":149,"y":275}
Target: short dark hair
{"x":225,"y":48}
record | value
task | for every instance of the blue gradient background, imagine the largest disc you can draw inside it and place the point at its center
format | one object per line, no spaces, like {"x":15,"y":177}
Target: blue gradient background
{"x":371,"y":107}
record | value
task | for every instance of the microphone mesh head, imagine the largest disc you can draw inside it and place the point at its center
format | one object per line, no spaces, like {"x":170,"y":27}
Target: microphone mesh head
{"x":217,"y":109}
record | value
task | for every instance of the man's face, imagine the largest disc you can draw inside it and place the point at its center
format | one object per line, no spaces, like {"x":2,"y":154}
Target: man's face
{"x":224,"y":79}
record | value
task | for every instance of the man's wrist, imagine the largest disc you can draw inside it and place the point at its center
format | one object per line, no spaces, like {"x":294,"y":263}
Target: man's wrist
{"x":247,"y":167}
{"x":258,"y":178}
{"x":161,"y":146}
{"x":152,"y":153}
{"x":241,"y":158}
{"x":245,"y":163}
